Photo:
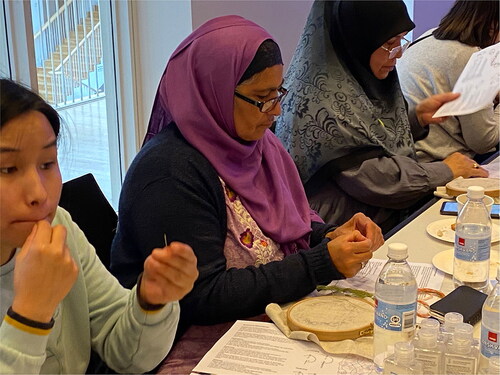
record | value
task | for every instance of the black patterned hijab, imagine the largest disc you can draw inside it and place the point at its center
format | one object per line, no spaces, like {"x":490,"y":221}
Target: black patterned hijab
{"x":335,"y":104}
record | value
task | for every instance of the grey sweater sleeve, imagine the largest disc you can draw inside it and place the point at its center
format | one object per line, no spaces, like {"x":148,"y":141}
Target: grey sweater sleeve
{"x":431,"y":67}
{"x":481,"y":129}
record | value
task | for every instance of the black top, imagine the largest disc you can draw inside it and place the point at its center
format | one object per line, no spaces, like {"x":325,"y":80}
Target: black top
{"x":172,"y":189}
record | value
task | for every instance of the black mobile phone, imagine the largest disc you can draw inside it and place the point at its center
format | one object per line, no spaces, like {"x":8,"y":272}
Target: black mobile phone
{"x":463,"y":300}
{"x":451,"y":208}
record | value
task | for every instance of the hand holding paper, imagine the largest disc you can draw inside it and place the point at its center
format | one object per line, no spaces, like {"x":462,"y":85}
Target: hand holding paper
{"x":427,"y":108}
{"x":478,"y":84}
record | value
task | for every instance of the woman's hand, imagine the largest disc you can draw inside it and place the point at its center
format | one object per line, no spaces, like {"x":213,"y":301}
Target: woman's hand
{"x":463,"y":166}
{"x":169,"y":274}
{"x":365,"y":226}
{"x":44,"y":272}
{"x":349,"y":251}
{"x":427,"y":107}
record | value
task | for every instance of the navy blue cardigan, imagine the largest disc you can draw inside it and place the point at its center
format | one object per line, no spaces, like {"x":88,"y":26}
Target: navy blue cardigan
{"x":172,"y":189}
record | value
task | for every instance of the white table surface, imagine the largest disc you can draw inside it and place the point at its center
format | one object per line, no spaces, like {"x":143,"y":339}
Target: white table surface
{"x":421,"y":246}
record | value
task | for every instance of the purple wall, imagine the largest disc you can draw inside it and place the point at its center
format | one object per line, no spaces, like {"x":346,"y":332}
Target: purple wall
{"x":283,"y":19}
{"x":428,"y":13}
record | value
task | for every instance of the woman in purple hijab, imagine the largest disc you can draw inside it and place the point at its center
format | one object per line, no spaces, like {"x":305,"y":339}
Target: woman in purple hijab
{"x":213,"y":175}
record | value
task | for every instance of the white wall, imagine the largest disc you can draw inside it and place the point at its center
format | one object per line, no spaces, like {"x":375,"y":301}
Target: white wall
{"x":409,"y":7}
{"x":158,"y":26}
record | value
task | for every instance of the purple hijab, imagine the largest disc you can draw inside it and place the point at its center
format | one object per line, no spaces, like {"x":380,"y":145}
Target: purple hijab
{"x":197,"y":93}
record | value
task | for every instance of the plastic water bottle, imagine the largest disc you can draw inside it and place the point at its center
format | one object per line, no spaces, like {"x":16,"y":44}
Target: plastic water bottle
{"x":490,"y":325}
{"x":429,"y":350}
{"x":396,"y":304}
{"x":451,"y":320}
{"x":471,"y":263}
{"x":461,"y":355}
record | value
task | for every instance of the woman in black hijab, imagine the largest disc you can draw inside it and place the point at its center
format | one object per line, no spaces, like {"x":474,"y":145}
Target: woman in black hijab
{"x":345,"y":121}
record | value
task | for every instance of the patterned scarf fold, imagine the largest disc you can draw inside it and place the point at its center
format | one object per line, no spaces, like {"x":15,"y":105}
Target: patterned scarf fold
{"x":328,"y":112}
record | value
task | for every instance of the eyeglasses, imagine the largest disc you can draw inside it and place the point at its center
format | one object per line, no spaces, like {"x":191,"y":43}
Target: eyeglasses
{"x":268,"y":105}
{"x":393,"y":52}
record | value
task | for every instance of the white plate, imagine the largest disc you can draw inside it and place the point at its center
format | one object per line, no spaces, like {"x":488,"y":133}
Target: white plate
{"x":441,"y":230}
{"x":443,"y":261}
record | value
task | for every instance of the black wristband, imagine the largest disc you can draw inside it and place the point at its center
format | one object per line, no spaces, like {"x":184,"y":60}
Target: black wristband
{"x":31,"y":323}
{"x":144,"y":305}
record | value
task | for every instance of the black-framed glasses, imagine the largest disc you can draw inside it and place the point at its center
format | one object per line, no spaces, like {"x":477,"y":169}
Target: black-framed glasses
{"x":401,"y":48}
{"x":268,"y":105}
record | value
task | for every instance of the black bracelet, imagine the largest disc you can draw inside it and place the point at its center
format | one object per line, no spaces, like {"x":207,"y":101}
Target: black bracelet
{"x":144,"y":305}
{"x":31,"y":323}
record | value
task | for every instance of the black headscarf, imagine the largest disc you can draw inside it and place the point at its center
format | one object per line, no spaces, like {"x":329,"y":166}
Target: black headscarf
{"x":357,"y":29}
{"x":335,"y":104}
{"x":267,"y":55}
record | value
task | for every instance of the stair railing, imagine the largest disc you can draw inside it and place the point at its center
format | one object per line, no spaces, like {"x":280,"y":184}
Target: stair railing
{"x":86,"y":55}
{"x":69,"y":63}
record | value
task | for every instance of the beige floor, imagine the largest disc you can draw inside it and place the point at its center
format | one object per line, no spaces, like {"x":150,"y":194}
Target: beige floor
{"x":83,"y":143}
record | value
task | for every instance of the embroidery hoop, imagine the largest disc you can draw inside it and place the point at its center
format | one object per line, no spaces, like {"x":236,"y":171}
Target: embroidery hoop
{"x":459,"y":186}
{"x":323,"y":317}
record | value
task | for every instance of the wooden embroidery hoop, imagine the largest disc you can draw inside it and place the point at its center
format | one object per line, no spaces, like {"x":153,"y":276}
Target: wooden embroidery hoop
{"x":459,"y":186}
{"x":320,"y":315}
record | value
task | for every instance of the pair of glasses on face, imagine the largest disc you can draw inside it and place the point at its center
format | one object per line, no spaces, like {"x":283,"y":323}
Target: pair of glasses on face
{"x":268,"y":105}
{"x":393,"y":52}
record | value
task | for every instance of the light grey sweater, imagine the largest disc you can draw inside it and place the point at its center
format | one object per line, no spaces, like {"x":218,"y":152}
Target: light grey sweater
{"x":433,"y":66}
{"x":97,"y":313}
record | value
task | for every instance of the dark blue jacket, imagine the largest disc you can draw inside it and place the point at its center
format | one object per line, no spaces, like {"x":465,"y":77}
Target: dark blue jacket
{"x":172,"y":189}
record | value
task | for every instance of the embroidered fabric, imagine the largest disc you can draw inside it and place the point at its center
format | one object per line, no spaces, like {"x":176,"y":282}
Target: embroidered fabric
{"x":246,"y":244}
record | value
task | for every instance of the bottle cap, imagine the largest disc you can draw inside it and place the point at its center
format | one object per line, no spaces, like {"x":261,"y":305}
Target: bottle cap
{"x":464,"y":330}
{"x":404,"y":351}
{"x":451,"y":319}
{"x":398,"y":251}
{"x":462,"y":338}
{"x":427,"y":337}
{"x":430,"y":323}
{"x":475,"y":192}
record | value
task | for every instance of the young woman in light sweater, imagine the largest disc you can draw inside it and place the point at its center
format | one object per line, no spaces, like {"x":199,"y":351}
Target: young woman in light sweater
{"x":57,"y":300}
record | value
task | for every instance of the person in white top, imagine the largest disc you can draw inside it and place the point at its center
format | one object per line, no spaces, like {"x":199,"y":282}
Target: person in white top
{"x":432,"y":65}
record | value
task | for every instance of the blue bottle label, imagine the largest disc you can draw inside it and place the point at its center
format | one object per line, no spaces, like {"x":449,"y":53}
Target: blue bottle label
{"x":395,"y":317}
{"x":465,"y":249}
{"x":489,"y":342}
